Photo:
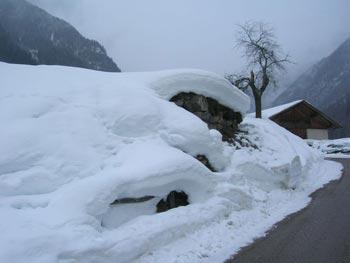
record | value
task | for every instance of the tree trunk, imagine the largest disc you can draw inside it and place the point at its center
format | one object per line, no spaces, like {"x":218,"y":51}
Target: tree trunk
{"x":257,"y":99}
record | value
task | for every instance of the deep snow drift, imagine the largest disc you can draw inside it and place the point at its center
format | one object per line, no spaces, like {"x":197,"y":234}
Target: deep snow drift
{"x":73,"y":141}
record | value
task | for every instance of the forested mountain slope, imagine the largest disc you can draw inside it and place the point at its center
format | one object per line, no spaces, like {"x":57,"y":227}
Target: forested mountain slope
{"x":30,"y":35}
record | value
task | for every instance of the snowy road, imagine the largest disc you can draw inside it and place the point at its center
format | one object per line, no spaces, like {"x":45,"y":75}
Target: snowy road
{"x":320,"y":233}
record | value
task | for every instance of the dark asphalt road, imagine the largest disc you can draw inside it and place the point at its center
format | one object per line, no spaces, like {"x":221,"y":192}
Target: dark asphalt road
{"x":320,"y":233}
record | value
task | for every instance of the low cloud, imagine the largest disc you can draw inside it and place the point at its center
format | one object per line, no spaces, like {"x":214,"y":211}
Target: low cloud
{"x":162,"y":34}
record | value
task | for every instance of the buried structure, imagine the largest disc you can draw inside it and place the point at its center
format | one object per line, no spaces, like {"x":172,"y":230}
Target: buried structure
{"x":88,"y":189}
{"x":213,"y":112}
{"x":217,"y":116}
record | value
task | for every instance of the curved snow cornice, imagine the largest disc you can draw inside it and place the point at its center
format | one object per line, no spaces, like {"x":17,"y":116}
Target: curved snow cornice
{"x":169,"y":83}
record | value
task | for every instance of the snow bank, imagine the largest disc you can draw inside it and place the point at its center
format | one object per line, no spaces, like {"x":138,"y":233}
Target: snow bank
{"x":73,"y":141}
{"x":277,"y":175}
{"x":284,"y":157}
{"x":332,"y":148}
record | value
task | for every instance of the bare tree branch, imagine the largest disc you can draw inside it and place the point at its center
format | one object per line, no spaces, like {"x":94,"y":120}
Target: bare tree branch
{"x":239,"y":81}
{"x":264,"y":57}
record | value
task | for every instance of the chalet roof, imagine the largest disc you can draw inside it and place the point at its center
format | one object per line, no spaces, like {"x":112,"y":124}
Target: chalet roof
{"x":268,"y":113}
{"x":273,"y":113}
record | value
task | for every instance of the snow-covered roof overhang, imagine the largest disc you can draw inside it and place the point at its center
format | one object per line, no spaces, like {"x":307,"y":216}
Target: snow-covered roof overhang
{"x":172,"y":82}
{"x":272,"y":113}
{"x":269,"y":113}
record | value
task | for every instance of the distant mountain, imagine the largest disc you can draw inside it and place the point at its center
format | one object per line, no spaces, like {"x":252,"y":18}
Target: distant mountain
{"x":10,"y":52}
{"x":30,"y":35}
{"x":327,"y":86}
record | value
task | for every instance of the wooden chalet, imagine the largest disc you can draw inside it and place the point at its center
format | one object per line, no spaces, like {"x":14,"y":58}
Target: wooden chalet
{"x":302,"y":119}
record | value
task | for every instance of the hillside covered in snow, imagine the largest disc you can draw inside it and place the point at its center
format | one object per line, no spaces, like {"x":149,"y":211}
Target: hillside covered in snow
{"x":87,"y":159}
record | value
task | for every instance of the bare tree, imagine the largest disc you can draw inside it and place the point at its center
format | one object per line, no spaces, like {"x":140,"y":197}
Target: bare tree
{"x":264,"y":57}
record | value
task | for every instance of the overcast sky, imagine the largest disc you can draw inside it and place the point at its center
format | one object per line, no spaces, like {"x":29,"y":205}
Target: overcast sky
{"x":143,"y":35}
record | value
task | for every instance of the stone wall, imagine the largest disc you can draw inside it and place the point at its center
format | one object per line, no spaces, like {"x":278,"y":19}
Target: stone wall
{"x":217,"y":116}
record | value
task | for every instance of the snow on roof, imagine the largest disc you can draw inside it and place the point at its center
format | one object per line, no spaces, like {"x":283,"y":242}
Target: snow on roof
{"x":268,"y":113}
{"x":171,"y":82}
{"x":271,"y":112}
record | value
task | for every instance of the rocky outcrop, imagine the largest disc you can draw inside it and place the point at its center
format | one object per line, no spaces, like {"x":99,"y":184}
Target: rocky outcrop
{"x":209,"y":110}
{"x":204,"y":160}
{"x":173,"y":200}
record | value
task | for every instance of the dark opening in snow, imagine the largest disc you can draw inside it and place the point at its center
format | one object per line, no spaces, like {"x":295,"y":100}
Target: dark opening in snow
{"x":173,"y":200}
{"x":131,"y":200}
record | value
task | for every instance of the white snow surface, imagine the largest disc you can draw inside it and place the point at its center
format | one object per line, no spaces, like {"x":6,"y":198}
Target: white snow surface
{"x":72,"y":141}
{"x":332,"y":148}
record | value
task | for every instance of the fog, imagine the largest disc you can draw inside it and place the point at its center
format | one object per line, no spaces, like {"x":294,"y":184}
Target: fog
{"x":163,"y":34}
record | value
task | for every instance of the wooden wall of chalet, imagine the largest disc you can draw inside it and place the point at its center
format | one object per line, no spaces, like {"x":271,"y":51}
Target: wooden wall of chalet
{"x":301,"y":117}
{"x":302,"y":133}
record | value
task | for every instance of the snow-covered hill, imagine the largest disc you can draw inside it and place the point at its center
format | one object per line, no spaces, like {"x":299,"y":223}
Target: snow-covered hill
{"x":73,"y":141}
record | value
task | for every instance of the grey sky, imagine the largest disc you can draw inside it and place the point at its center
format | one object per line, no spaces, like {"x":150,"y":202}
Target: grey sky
{"x":147,"y":35}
